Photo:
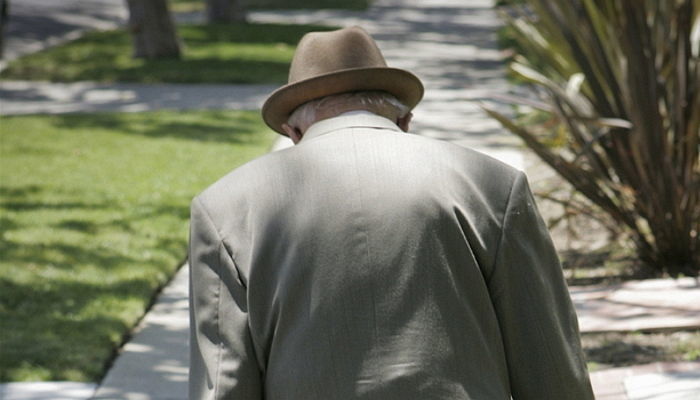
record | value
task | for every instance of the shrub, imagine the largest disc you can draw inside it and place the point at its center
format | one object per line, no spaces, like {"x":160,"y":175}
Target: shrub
{"x":622,"y":77}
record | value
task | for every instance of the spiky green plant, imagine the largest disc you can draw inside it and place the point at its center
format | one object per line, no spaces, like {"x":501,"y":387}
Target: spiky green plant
{"x":623,"y":77}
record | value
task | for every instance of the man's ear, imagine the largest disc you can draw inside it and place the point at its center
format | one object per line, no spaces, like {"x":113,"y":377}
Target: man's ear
{"x":403,"y":122}
{"x":293,"y":133}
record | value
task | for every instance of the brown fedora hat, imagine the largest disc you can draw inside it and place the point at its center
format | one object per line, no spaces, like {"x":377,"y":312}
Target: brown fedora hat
{"x":326,"y":63}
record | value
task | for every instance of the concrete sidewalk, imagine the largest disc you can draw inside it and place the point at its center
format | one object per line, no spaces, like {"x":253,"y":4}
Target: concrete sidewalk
{"x":17,"y":98}
{"x":34,"y":25}
{"x":655,"y":381}
{"x":154,"y":364}
{"x":639,"y":306}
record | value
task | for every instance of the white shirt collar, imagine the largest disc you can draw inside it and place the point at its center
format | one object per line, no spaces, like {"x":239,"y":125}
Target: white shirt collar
{"x":351,"y":119}
{"x":357,"y":112}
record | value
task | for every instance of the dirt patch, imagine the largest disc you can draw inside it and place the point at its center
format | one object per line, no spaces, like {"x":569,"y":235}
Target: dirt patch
{"x":608,"y":265}
{"x":608,"y":350}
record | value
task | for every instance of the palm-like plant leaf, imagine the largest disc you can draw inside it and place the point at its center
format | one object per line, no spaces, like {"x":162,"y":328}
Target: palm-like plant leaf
{"x":623,"y":77}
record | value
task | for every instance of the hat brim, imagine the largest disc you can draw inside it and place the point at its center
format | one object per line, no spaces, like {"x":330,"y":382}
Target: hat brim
{"x":405,"y":86}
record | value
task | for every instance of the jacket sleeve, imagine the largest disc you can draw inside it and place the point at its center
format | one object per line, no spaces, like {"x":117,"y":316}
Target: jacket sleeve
{"x":222,"y":360}
{"x":537,"y":319}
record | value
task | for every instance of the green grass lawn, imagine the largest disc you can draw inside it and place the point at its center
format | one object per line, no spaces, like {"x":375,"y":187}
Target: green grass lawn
{"x":226,"y":53}
{"x":94,"y":216}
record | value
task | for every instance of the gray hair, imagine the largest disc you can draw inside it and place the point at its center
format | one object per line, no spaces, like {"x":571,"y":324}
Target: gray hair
{"x":371,"y":100}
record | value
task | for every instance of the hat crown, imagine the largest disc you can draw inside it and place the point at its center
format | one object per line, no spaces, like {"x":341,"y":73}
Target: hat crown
{"x":342,"y":61}
{"x":320,"y":53}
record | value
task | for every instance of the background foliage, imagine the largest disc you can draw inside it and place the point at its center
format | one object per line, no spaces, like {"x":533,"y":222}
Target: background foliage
{"x":621,"y":78}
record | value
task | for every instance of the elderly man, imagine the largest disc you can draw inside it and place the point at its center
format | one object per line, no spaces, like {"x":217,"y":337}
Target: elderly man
{"x":372,"y":264}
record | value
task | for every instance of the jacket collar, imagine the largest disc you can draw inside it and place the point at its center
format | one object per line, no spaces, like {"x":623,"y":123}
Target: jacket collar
{"x":345,"y":121}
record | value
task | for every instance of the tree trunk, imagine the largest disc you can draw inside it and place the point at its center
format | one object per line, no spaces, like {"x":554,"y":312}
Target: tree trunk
{"x":153,"y":30}
{"x":4,"y":7}
{"x":225,"y":11}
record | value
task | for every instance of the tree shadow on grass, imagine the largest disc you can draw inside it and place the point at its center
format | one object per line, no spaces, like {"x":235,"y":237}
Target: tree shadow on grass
{"x":66,"y":305}
{"x":67,"y":256}
{"x":61,"y":335}
{"x":39,"y":205}
{"x":247,"y":33}
{"x":220,"y":129}
{"x":211,"y":126}
{"x":19,"y":191}
{"x":28,"y":198}
{"x":211,"y":70}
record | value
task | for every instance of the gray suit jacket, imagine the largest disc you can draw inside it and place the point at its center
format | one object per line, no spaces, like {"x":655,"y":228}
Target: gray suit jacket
{"x":366,"y":263}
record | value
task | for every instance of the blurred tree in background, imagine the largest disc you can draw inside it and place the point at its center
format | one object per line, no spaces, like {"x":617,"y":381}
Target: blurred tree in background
{"x":153,"y":29}
{"x":225,"y":11}
{"x":4,"y":12}
{"x":621,"y":78}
